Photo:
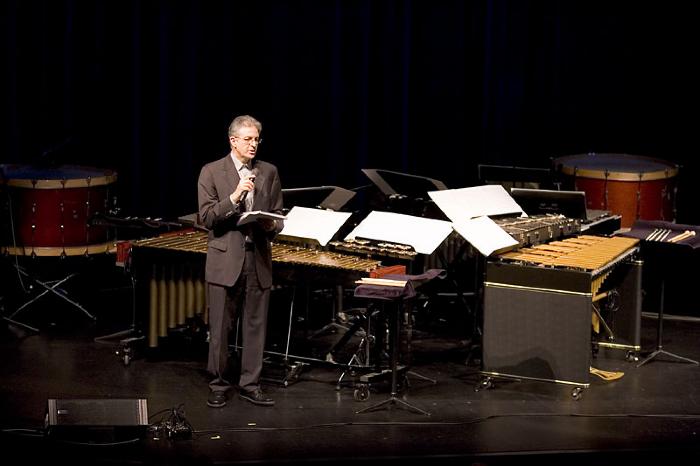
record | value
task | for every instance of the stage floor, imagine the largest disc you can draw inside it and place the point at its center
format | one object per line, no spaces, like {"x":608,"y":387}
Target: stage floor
{"x":650,"y":414}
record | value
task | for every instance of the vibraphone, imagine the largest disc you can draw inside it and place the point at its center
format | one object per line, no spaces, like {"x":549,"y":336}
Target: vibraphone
{"x":173,"y":267}
{"x":528,"y":231}
{"x":539,"y":229}
{"x":539,"y":302}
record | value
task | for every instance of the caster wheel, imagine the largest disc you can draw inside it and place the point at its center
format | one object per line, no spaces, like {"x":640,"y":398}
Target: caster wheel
{"x":125,"y":353}
{"x":484,"y":384}
{"x":361,"y":393}
{"x":631,"y":356}
{"x":577,"y":393}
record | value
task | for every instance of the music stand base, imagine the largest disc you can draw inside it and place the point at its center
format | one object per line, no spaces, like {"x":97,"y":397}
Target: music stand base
{"x":667,"y":353}
{"x":392,"y":400}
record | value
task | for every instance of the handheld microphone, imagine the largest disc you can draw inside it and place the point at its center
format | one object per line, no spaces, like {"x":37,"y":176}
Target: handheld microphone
{"x":251,"y":177}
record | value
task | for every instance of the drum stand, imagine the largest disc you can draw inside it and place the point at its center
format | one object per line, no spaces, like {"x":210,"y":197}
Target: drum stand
{"x":51,"y":286}
{"x":659,"y":337}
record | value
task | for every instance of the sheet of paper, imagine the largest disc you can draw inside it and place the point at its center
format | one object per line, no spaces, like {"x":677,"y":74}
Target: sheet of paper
{"x":485,"y":235}
{"x":465,"y":203}
{"x":255,"y":215}
{"x":317,"y":224}
{"x":424,"y":234}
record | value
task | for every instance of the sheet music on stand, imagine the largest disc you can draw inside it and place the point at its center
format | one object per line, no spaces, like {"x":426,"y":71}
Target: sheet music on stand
{"x":470,"y":208}
{"x":485,"y":235}
{"x":313,"y":224}
{"x":424,"y":234}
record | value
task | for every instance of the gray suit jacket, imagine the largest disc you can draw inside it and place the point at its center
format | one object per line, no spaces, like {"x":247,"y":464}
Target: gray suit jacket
{"x":226,"y":249}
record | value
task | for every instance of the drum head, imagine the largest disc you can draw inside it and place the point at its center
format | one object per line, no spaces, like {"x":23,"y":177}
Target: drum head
{"x":617,"y":167}
{"x":64,"y":176}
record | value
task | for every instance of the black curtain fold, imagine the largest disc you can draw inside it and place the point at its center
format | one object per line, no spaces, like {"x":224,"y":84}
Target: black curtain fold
{"x":431,"y":88}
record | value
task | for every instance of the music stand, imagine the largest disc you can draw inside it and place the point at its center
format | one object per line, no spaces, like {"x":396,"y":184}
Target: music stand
{"x":515,"y":177}
{"x":570,"y":204}
{"x":318,"y":227}
{"x":659,"y":241}
{"x":397,"y":183}
{"x":470,"y":210}
{"x":405,"y":193}
{"x":323,"y":197}
{"x":395,"y":298}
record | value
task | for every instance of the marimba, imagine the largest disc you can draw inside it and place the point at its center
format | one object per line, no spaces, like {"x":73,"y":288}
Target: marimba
{"x":173,"y":267}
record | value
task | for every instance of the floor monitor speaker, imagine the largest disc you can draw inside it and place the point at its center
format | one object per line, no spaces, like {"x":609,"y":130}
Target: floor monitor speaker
{"x":97,"y":419}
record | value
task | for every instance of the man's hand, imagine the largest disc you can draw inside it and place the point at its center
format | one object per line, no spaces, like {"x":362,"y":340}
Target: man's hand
{"x":244,"y":185}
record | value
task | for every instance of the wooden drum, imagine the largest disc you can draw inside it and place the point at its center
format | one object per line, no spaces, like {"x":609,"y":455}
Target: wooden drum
{"x":50,"y":210}
{"x":635,"y":187}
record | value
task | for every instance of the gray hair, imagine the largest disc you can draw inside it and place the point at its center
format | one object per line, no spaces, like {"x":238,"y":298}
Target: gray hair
{"x":241,"y":121}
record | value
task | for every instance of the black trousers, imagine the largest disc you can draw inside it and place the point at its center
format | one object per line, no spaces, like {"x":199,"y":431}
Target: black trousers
{"x":225,"y":305}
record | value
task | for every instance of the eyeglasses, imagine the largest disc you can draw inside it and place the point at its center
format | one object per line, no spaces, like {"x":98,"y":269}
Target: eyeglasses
{"x":248,"y":140}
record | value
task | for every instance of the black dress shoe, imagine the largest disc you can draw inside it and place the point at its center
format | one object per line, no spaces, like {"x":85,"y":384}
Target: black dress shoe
{"x":216,"y":399}
{"x":257,"y":397}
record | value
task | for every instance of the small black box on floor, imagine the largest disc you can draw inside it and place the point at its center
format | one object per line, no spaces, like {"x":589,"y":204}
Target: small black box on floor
{"x":97,"y":420}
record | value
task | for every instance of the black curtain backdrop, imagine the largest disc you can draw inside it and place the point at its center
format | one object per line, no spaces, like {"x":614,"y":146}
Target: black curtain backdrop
{"x":431,"y":88}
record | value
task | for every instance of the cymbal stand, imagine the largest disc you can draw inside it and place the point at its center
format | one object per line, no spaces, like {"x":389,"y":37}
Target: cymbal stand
{"x":659,"y":336}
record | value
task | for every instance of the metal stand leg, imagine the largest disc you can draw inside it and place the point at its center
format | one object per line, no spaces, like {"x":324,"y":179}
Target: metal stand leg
{"x":355,"y":360}
{"x":49,"y":287}
{"x":21,"y":324}
{"x":292,"y":370}
{"x":659,"y":337}
{"x":393,"y":398}
{"x":132,"y":328}
{"x":333,"y":325}
{"x":127,"y":342}
{"x":422,"y":377}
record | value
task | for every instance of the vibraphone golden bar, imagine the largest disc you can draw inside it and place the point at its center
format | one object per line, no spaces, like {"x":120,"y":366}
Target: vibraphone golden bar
{"x":596,"y":255}
{"x":539,"y":302}
{"x":173,"y":267}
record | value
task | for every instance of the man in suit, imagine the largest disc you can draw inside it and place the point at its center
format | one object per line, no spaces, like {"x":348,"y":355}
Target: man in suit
{"x":239,"y":260}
